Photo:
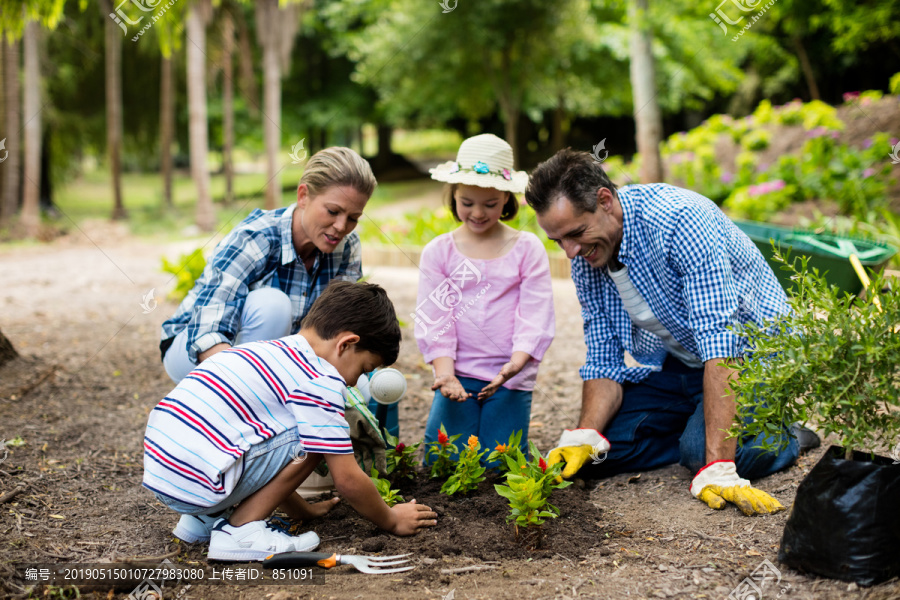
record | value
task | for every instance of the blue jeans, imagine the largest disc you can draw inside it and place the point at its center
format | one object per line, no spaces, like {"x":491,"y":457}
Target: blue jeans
{"x":661,"y":422}
{"x":492,"y":420}
{"x":266,"y":316}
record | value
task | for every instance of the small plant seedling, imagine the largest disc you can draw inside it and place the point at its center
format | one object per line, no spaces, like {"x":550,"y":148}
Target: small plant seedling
{"x":390,"y":497}
{"x":401,"y":459}
{"x":443,"y":451}
{"x":507,"y":449}
{"x":469,"y":472}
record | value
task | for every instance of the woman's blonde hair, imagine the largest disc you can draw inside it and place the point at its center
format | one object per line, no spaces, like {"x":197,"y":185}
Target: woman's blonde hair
{"x":338,"y":166}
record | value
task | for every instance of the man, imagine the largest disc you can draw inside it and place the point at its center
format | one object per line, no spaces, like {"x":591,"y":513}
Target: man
{"x":661,"y":273}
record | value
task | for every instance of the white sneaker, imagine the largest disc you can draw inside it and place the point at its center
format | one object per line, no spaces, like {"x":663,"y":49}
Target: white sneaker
{"x":196,"y":528}
{"x":255,"y":541}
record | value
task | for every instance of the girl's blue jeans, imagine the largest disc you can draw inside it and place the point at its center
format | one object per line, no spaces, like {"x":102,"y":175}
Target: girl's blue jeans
{"x":661,"y":422}
{"x":492,"y":420}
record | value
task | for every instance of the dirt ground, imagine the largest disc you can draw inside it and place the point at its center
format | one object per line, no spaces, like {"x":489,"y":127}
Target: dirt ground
{"x":90,"y":373}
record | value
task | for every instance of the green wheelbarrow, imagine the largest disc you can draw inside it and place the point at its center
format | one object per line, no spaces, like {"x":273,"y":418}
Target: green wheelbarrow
{"x":829,"y":253}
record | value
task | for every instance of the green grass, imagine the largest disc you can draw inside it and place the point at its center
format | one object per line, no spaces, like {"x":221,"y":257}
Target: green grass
{"x":90,"y":197}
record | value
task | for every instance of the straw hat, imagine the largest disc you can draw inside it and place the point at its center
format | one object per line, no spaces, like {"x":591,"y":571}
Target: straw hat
{"x":485,"y":161}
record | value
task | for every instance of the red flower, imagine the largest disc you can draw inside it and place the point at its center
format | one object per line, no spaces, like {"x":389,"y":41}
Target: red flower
{"x":442,"y":438}
{"x":399,"y":448}
{"x":543,"y":465}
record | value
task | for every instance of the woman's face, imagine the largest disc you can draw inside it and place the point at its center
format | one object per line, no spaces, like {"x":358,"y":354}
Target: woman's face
{"x":479,"y":208}
{"x":328,"y":217}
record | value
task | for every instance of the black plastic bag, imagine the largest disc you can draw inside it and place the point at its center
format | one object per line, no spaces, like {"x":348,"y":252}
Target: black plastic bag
{"x":845,"y":522}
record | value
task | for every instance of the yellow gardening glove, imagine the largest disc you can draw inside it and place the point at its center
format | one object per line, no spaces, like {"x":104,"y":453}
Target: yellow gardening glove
{"x":718,"y":483}
{"x":576,"y":447}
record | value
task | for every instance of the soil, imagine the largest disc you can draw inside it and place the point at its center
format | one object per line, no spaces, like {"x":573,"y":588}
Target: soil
{"x":89,"y":374}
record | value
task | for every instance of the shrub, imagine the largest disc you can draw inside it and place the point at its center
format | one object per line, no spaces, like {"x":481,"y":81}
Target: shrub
{"x":835,"y":359}
{"x":187,"y":269}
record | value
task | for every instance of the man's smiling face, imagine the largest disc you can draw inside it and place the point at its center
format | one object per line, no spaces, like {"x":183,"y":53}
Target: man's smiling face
{"x":596,"y":236}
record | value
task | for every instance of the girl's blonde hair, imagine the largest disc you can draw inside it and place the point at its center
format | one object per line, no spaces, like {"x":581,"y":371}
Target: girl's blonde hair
{"x":338,"y":166}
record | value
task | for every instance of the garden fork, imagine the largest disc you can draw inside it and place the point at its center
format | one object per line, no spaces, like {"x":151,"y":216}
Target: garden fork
{"x":366,"y":564}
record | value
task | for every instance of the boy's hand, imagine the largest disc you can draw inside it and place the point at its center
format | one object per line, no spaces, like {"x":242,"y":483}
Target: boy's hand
{"x":451,"y":388}
{"x":409,"y":518}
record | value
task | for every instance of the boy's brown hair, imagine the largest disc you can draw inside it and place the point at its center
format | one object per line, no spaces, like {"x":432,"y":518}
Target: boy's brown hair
{"x":362,"y":308}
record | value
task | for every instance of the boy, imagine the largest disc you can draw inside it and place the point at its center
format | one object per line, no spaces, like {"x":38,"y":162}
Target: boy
{"x":249,"y":425}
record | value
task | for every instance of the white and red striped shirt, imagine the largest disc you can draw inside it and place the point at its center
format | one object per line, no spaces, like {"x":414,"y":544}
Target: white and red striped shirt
{"x":197,"y":435}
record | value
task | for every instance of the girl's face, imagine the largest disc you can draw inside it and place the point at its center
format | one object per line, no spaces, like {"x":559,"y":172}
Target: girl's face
{"x":330,"y":216}
{"x":479,"y":208}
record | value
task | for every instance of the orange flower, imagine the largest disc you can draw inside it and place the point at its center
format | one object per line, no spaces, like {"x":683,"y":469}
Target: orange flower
{"x":442,"y":438}
{"x":500,"y":448}
{"x":473,"y":441}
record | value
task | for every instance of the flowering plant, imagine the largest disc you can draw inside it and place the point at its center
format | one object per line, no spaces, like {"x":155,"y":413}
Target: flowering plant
{"x":390,"y":497}
{"x":529,"y":487}
{"x":442,"y":450}
{"x":503,"y":450}
{"x":469,"y":472}
{"x":401,"y":459}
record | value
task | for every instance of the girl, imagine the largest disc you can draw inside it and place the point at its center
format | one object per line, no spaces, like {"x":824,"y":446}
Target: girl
{"x":484,"y":316}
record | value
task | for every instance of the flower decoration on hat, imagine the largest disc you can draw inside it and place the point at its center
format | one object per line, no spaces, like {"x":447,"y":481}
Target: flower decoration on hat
{"x":454,"y":168}
{"x":506,"y":174}
{"x":481,"y":167}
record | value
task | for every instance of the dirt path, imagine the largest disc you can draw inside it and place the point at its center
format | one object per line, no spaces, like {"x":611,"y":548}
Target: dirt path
{"x":90,"y":373}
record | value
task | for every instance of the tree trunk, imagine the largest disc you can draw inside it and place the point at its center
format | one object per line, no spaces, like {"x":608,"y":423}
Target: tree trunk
{"x":807,"y":68}
{"x":647,"y":115}
{"x":267,"y":18}
{"x":557,"y":135}
{"x":31,"y":114}
{"x":166,"y":126}
{"x":7,"y":352}
{"x":198,"y":13}
{"x":383,"y":158}
{"x":113,"y":42}
{"x":9,"y":203}
{"x":228,"y":105}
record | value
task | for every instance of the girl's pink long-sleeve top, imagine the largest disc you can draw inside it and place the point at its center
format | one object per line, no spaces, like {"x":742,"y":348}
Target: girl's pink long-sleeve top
{"x":479,"y":311}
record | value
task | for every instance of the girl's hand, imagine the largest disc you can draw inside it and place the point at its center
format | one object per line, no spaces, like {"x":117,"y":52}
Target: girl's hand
{"x":451,"y":388}
{"x":507,"y":372}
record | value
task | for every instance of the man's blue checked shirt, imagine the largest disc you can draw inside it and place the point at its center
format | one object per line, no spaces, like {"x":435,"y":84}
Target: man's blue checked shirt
{"x":697,"y":271}
{"x":258,"y":253}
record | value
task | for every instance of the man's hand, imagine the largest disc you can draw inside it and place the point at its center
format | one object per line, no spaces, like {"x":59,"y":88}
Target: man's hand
{"x":450,"y":387}
{"x":718,"y":482}
{"x":410,"y":517}
{"x":575,"y":447}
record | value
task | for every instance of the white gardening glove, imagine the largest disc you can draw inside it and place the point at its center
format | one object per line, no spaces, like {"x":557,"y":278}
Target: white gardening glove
{"x":719,"y":482}
{"x":575,"y":447}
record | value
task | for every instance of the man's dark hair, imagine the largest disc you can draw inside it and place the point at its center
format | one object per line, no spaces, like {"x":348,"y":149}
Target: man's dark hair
{"x":362,"y":308}
{"x":570,"y":173}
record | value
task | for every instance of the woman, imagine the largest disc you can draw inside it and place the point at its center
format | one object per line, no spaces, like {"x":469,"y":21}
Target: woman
{"x":264,"y":276}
